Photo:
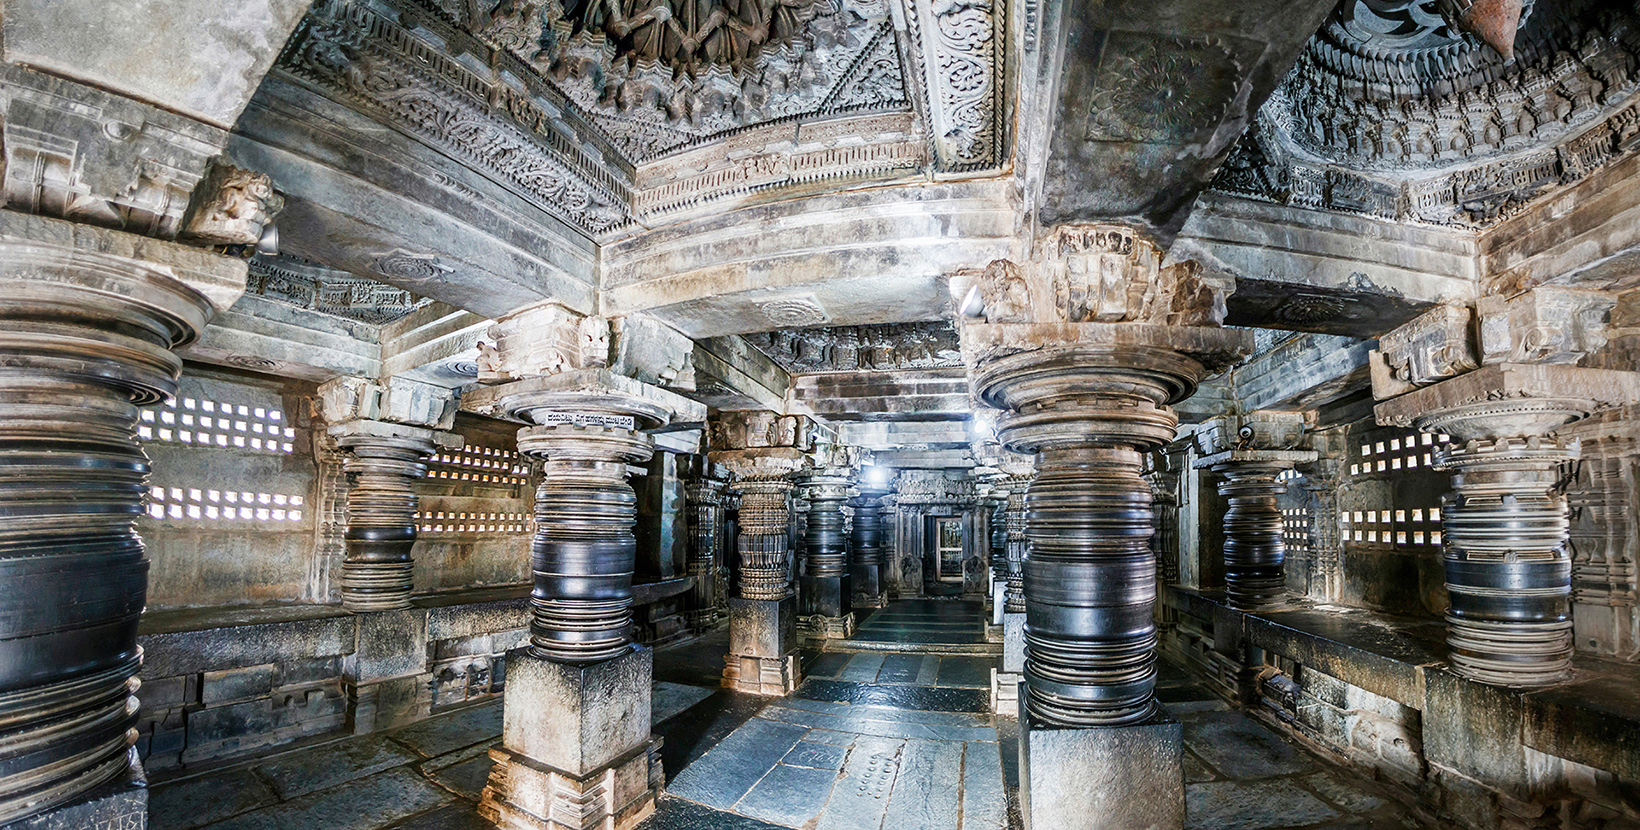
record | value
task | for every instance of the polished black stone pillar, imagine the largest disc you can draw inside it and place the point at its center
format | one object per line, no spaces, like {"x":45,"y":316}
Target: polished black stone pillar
{"x":867,"y":587}
{"x":382,"y":462}
{"x":823,"y":589}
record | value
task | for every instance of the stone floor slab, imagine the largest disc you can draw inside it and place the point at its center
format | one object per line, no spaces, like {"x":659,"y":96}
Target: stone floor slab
{"x":860,"y":798}
{"x":365,"y":804}
{"x":196,"y":802}
{"x":1239,"y":747}
{"x":446,"y":733}
{"x":1256,"y":805}
{"x":789,"y":796}
{"x":927,"y":791}
{"x":729,"y":770}
{"x":984,"y":801}
{"x":338,"y":763}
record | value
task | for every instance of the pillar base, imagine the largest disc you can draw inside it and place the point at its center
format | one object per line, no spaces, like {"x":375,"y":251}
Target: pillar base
{"x":576,"y":751}
{"x":866,"y":584}
{"x":818,"y":627}
{"x":1109,"y":778}
{"x":121,"y":804}
{"x":762,"y":657}
{"x":823,"y":596}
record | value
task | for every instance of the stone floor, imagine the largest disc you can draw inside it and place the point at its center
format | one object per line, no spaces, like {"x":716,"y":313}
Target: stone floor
{"x":871,"y":741}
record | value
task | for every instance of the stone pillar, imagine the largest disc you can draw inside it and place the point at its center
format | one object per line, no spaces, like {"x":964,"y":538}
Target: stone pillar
{"x":1085,"y":372}
{"x":1163,"y":476}
{"x":1502,"y":399}
{"x":762,"y":451}
{"x":1249,"y":452}
{"x":704,"y":497}
{"x":576,"y":749}
{"x":1006,"y":679}
{"x":867,"y":586}
{"x":88,"y":322}
{"x":823,"y":588}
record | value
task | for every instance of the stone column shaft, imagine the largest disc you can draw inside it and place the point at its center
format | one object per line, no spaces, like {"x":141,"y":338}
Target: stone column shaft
{"x":823,"y":596}
{"x":762,"y":656}
{"x":377,"y":574}
{"x":868,"y":588}
{"x":1254,"y":553}
{"x":86,"y":337}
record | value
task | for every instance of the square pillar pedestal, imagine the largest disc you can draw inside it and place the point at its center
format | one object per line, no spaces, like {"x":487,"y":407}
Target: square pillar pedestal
{"x":826,"y":613}
{"x":1111,"y":778}
{"x":576,"y":751}
{"x":1005,"y":681}
{"x":762,"y":658}
{"x":866,"y":587}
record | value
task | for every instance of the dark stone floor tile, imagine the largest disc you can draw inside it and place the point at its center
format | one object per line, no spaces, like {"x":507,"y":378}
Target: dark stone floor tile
{"x":984,"y":801}
{"x":458,"y":816}
{"x":927,"y":792}
{"x":860,"y":797}
{"x":456,"y":730}
{"x":1352,"y":799}
{"x":727,"y":772}
{"x":1256,"y":805}
{"x":862,"y":668}
{"x":902,"y":697}
{"x":465,"y":778}
{"x":1195,"y":771}
{"x":1184,"y":694}
{"x":1240,"y":747}
{"x":829,"y":736}
{"x":697,"y":662}
{"x":688,"y":738}
{"x":668,"y":700}
{"x":808,"y":753}
{"x":196,"y":802}
{"x":672,"y":813}
{"x":789,"y":795}
{"x":828,"y":665}
{"x":900,"y":668}
{"x":325,"y":767}
{"x":365,"y":804}
{"x":890,"y":713}
{"x":969,"y":672}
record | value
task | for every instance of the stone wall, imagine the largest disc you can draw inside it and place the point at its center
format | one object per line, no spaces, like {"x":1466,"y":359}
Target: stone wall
{"x":1369,"y":692}
{"x":223,"y":683}
{"x":477,"y":511}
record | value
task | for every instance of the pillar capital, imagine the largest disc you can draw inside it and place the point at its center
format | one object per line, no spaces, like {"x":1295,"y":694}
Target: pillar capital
{"x":549,"y":339}
{"x":395,"y":400}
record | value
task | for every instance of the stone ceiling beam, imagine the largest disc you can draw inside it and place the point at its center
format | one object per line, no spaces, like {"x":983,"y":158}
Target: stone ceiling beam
{"x":869,"y":256}
{"x":1332,"y":273}
{"x":201,"y":58}
{"x":920,"y":395}
{"x":1588,"y":235}
{"x":275,"y":338}
{"x":1148,"y":98}
{"x":745,"y":377}
{"x":377,"y":203}
{"x":436,"y":343}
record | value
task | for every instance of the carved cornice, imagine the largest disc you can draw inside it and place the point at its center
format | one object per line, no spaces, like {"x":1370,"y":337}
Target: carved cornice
{"x":328,"y":291}
{"x":862,"y":348}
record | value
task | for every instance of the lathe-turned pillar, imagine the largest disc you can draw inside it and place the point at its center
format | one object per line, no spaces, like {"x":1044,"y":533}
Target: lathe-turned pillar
{"x":762,"y":451}
{"x":868,"y":587}
{"x":1249,"y":452}
{"x":1084,"y":348}
{"x":823,"y":581}
{"x":88,"y":322}
{"x":1502,"y":397}
{"x":576,"y":749}
{"x":1020,"y":470}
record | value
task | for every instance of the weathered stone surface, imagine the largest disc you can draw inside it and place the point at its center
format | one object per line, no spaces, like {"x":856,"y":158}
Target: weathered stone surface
{"x":1110,"y":778}
{"x":577,"y":719}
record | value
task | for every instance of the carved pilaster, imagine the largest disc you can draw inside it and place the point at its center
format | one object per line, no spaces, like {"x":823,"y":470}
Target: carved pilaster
{"x":88,"y":323}
{"x":1323,"y":479}
{"x":1505,"y":528}
{"x":704,"y":497}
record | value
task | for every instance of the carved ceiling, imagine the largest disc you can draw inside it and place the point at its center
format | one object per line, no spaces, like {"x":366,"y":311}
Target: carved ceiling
{"x":608,"y":113}
{"x":862,"y":348}
{"x":1393,"y":112}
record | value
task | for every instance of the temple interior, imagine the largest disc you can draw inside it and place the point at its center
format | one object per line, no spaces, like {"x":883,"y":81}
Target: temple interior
{"x":819,"y":414}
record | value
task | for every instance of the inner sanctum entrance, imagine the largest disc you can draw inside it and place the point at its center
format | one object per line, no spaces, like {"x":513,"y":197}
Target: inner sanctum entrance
{"x":948,"y":549}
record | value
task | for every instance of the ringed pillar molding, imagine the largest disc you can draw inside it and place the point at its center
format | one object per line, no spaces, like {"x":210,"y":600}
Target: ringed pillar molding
{"x":1503,"y":397}
{"x":823,"y":593}
{"x":576,"y":750}
{"x":1084,"y":348}
{"x":89,"y":323}
{"x":384,"y":431}
{"x":991,"y":497}
{"x":867,"y":586}
{"x":763,"y":451}
{"x":704,"y":499}
{"x":1249,"y":452}
{"x":1323,"y":479}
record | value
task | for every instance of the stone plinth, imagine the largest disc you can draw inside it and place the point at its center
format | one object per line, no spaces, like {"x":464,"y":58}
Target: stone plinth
{"x":762,"y":656}
{"x":1005,"y":680}
{"x":1106,"y":778}
{"x":576,"y":750}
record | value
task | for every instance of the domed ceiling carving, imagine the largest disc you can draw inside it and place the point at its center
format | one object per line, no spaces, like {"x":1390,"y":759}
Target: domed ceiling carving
{"x":1394,"y":111}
